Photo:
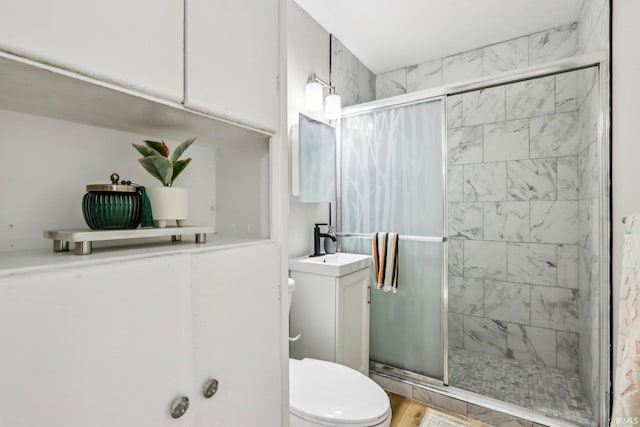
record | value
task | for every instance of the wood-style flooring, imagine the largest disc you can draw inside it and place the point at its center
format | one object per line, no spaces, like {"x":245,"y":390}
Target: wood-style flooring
{"x":405,"y":412}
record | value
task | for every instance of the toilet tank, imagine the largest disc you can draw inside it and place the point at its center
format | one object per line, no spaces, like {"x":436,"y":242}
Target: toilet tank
{"x":292,"y":287}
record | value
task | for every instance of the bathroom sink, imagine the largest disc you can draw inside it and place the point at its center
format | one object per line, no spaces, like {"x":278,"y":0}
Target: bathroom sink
{"x":336,"y":265}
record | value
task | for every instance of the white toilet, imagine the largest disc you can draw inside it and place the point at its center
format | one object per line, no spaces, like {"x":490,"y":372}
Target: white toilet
{"x":328,"y":394}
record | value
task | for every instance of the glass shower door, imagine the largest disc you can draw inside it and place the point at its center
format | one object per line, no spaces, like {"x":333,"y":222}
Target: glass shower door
{"x":392,"y":180}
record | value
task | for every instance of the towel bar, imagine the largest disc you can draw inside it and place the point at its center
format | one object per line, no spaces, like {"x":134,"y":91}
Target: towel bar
{"x":429,"y":239}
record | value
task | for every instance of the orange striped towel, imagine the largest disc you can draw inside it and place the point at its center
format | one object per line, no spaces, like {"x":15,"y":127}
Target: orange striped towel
{"x":385,"y":261}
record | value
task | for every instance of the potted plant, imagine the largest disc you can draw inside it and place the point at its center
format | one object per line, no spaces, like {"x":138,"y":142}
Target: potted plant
{"x":167,"y":202}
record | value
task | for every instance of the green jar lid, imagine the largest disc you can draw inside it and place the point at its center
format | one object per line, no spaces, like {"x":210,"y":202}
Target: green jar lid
{"x":114,"y":186}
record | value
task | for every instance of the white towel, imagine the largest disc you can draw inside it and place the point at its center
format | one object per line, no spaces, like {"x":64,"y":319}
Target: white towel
{"x":626,"y":403}
{"x":385,"y":261}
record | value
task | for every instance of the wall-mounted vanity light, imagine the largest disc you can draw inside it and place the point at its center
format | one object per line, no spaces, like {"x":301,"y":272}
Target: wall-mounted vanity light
{"x":314,"y":96}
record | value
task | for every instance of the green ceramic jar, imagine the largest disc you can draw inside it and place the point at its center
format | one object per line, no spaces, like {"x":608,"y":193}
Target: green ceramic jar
{"x":112,"y":206}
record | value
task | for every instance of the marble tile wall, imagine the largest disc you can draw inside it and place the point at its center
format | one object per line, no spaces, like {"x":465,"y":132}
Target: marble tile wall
{"x":516,"y":170}
{"x":352,"y":79}
{"x":593,"y":26}
{"x":588,"y":237}
{"x":544,"y":46}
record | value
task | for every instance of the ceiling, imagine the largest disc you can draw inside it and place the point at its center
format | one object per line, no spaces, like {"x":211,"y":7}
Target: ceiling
{"x":386,"y":35}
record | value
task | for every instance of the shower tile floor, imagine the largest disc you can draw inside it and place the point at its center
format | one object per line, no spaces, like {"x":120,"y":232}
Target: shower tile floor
{"x":553,"y":392}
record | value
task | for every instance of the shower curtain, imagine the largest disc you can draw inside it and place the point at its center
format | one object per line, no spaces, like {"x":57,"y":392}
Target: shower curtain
{"x":626,"y":406}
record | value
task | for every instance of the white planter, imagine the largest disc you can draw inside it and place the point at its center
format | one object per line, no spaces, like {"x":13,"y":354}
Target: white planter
{"x":169,"y":203}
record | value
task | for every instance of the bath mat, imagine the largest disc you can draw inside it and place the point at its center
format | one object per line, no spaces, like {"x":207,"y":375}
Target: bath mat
{"x":433,"y":418}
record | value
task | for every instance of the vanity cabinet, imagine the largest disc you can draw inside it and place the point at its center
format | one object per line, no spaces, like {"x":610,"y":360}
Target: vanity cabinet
{"x":331,"y":314}
{"x":102,"y":346}
{"x":132,"y":44}
{"x":232,"y":60}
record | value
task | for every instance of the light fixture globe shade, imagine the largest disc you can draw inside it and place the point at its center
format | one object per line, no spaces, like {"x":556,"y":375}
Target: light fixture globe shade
{"x":332,"y":107}
{"x":313,"y":96}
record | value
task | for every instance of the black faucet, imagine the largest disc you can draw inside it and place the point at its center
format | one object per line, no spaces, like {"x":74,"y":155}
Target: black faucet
{"x":316,"y":239}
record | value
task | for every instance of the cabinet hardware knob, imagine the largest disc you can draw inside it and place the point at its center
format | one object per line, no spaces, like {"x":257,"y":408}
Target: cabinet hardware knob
{"x":179,"y":406}
{"x":210,"y":388}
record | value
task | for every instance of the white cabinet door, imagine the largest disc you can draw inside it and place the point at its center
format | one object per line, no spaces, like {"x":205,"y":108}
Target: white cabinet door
{"x":232,"y":60}
{"x":99,"y":346}
{"x":237,"y":338}
{"x":131,"y":43}
{"x":352,"y":331}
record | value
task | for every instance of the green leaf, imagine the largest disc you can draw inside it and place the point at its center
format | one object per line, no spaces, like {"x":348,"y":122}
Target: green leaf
{"x":155,"y":145}
{"x":146,"y":151}
{"x":178,"y":167}
{"x":181,"y":149}
{"x":159,"y":167}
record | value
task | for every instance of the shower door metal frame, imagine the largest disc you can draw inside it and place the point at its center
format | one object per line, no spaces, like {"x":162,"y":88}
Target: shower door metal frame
{"x":605,"y":224}
{"x":601,"y":62}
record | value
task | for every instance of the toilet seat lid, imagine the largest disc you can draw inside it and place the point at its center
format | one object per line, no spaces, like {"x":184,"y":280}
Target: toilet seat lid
{"x":335,"y":394}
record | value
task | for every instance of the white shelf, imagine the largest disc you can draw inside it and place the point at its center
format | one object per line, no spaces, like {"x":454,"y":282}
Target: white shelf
{"x":30,"y":87}
{"x":28,"y":261}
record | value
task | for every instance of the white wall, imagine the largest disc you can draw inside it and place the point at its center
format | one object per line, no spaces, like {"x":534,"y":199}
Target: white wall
{"x":307,"y":53}
{"x":624,"y":124}
{"x":242,"y":174}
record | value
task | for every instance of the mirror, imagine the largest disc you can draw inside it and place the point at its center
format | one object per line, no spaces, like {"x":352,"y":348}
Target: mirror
{"x":317,"y":160}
